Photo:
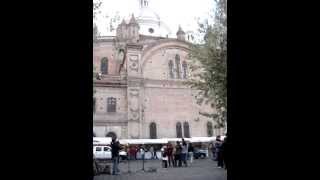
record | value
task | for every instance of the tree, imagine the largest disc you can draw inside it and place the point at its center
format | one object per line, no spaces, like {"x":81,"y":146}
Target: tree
{"x":209,"y":70}
{"x":96,"y":10}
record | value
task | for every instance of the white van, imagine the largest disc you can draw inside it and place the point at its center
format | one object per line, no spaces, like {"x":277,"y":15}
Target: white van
{"x":102,"y":152}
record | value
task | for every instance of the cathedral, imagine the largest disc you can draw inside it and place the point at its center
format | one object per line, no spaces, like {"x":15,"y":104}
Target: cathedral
{"x":139,"y":90}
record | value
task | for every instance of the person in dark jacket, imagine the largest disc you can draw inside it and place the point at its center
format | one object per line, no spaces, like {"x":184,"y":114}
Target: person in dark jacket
{"x":225,"y":152}
{"x":177,"y":156}
{"x":115,"y":148}
{"x":219,"y":151}
{"x":216,"y":145}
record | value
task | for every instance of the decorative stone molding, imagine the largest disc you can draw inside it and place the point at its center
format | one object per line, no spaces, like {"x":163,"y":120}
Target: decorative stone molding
{"x":134,"y":130}
{"x":133,"y":104}
{"x":134,"y":63}
{"x":134,"y":46}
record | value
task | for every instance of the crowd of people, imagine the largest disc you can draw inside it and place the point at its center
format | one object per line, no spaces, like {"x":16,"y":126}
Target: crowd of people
{"x":176,"y":156}
{"x":172,"y":155}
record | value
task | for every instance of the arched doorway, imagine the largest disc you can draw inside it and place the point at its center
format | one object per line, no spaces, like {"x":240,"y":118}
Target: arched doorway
{"x":112,"y":135}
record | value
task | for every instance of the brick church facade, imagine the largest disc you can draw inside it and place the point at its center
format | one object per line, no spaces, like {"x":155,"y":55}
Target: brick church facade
{"x":139,"y":92}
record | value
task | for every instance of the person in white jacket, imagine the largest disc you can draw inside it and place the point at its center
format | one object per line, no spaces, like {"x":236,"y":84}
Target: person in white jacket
{"x":164,"y":154}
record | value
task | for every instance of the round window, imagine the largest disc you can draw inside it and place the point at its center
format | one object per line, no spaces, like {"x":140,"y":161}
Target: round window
{"x":151,"y":30}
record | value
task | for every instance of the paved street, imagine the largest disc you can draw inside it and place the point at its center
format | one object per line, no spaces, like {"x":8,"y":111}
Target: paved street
{"x":201,"y":169}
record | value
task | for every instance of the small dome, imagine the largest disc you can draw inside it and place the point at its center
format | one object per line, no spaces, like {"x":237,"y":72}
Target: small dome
{"x":150,"y":23}
{"x":148,"y":14}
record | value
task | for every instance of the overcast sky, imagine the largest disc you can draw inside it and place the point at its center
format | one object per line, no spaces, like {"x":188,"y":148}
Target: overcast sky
{"x":172,"y":12}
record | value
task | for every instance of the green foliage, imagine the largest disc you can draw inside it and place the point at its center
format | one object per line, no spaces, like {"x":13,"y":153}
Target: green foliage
{"x":95,"y":33}
{"x":209,"y":68}
{"x":96,"y":10}
{"x":96,"y":7}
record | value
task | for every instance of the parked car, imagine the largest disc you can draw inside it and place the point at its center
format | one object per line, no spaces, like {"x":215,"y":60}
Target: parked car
{"x":199,"y":153}
{"x":102,"y":152}
{"x":123,"y":155}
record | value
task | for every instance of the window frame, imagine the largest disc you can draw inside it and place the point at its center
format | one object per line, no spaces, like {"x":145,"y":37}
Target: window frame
{"x":185,"y":69}
{"x":178,"y":66}
{"x":179,"y":130}
{"x":186,"y":129}
{"x":153,"y":134}
{"x":171,"y":69}
{"x":111,"y":105}
{"x":104,"y":66}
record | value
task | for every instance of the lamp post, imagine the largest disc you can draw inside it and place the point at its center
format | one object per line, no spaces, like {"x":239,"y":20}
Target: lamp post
{"x":128,"y":158}
{"x":143,"y":153}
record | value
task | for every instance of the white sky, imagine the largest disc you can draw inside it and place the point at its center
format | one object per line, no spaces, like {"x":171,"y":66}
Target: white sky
{"x":172,"y":12}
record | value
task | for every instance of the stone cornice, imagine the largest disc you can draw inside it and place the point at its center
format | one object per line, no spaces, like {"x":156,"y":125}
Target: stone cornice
{"x":110,"y":84}
{"x":134,"y":46}
{"x":166,"y":82}
{"x":110,"y":123}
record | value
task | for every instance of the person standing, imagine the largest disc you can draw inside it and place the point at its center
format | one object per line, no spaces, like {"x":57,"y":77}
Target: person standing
{"x":142,"y":152}
{"x":170,"y":155}
{"x":217,"y":144}
{"x":174,"y":156}
{"x":165,"y":158}
{"x":177,"y":156}
{"x":184,"y":153}
{"x":115,"y":156}
{"x":213,"y":151}
{"x":190,"y":151}
{"x":131,"y":152}
{"x":151,"y":150}
{"x":224,"y":152}
{"x":219,"y":152}
{"x":135,"y":152}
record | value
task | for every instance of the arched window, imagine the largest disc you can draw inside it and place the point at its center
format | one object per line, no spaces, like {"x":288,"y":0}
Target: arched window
{"x":111,"y":104}
{"x":179,"y":130}
{"x":104,"y":66}
{"x":178,"y":66}
{"x":171,"y":69}
{"x":185,"y":67}
{"x":186,"y":129}
{"x":209,"y":129}
{"x":153,"y":131}
{"x":112,"y":135}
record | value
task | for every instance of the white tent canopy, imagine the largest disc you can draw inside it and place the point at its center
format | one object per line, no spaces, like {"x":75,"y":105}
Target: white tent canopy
{"x":107,"y":140}
{"x":143,"y":141}
{"x":101,"y":140}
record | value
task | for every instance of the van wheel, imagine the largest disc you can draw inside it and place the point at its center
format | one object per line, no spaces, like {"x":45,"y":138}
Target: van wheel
{"x":202,"y":156}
